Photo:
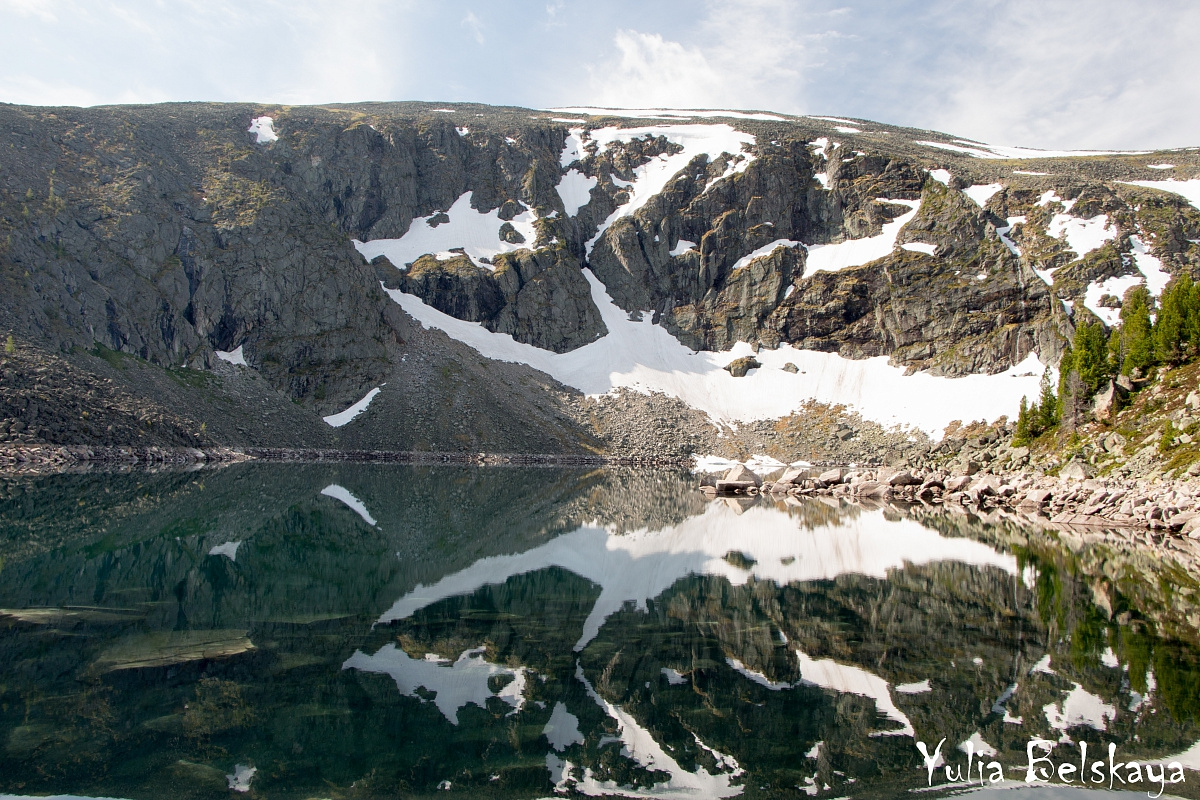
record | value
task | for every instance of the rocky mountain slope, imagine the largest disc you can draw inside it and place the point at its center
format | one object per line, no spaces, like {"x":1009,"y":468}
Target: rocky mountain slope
{"x":484,"y":268}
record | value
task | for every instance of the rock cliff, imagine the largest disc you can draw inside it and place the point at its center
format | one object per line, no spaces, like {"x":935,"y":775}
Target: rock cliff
{"x":175,"y":232}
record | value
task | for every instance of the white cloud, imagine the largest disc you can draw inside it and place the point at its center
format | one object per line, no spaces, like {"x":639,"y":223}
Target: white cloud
{"x":744,"y":54}
{"x":472,"y":23}
{"x":29,"y":8}
{"x":1079,"y":74}
{"x":1094,"y":74}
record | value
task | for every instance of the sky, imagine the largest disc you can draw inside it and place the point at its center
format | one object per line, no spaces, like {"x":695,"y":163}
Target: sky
{"x":1036,"y":73}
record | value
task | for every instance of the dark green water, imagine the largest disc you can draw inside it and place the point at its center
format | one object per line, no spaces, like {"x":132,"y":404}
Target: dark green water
{"x":369,"y":631}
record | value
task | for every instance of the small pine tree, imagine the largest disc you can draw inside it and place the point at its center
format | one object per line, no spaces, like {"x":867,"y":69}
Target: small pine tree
{"x":1091,"y":359}
{"x":1047,"y":406}
{"x":1022,"y":435}
{"x":10,"y":346}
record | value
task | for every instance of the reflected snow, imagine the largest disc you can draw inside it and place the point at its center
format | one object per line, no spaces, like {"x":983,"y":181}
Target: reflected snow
{"x":369,"y":631}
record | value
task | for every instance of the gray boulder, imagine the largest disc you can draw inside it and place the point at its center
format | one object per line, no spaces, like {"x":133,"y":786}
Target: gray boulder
{"x":741,"y":473}
{"x":1076,"y":470}
{"x":832,"y":476}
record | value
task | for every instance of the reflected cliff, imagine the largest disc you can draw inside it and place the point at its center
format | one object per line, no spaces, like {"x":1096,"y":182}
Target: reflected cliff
{"x":381,"y":631}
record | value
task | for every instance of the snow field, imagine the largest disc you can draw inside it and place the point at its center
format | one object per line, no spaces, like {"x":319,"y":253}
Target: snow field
{"x":456,"y":683}
{"x":645,"y":357}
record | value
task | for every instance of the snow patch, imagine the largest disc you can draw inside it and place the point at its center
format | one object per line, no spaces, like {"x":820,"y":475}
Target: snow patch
{"x":1189,"y":759}
{"x":846,"y":129}
{"x":765,"y":250}
{"x":1043,"y":666}
{"x":856,"y":252}
{"x":1188,"y":190}
{"x":708,"y":464}
{"x":640,"y":746}
{"x":977,"y":745}
{"x":232,"y":356}
{"x":681,"y":247}
{"x":1082,"y":235}
{"x":562,"y":729}
{"x":1160,"y":166}
{"x":982,"y":192}
{"x":575,"y":189}
{"x":915,"y":688}
{"x":1151,"y":268}
{"x":754,"y":675}
{"x":263,"y":129}
{"x":835,"y":119}
{"x":240,"y":780}
{"x":342,"y":417}
{"x":645,"y":357}
{"x":942,"y":176}
{"x":829,"y":674}
{"x":920,"y":247}
{"x":1109,"y":659}
{"x":476,"y":232}
{"x":673,"y":678}
{"x":1028,"y":172}
{"x":1114,"y":286}
{"x":1080,"y":707}
{"x":229,"y":550}
{"x":463,"y":132}
{"x":457,"y":684}
{"x":572,"y":148}
{"x":344,"y":495}
{"x":1004,"y":232}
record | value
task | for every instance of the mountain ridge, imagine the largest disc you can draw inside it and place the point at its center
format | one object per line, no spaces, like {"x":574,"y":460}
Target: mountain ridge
{"x":172,"y":232}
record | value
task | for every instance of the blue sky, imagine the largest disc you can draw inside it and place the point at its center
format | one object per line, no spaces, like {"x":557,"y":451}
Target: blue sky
{"x":1041,"y":73}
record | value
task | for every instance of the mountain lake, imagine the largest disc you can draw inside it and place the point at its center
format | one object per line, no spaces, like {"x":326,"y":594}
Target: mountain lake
{"x":367,"y":631}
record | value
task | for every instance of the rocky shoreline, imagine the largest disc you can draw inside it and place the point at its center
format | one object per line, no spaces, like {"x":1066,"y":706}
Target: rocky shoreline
{"x":1167,"y":507}
{"x":1157,"y":504}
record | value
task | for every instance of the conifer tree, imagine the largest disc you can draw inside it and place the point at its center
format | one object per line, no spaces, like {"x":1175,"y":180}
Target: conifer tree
{"x":1176,"y":332}
{"x":1047,"y":406}
{"x":1133,"y":343}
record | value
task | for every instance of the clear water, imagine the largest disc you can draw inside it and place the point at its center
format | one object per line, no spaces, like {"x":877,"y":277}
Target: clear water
{"x":365,"y":631}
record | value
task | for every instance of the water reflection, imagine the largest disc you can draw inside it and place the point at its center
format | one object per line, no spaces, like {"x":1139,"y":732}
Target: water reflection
{"x":367,"y":631}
